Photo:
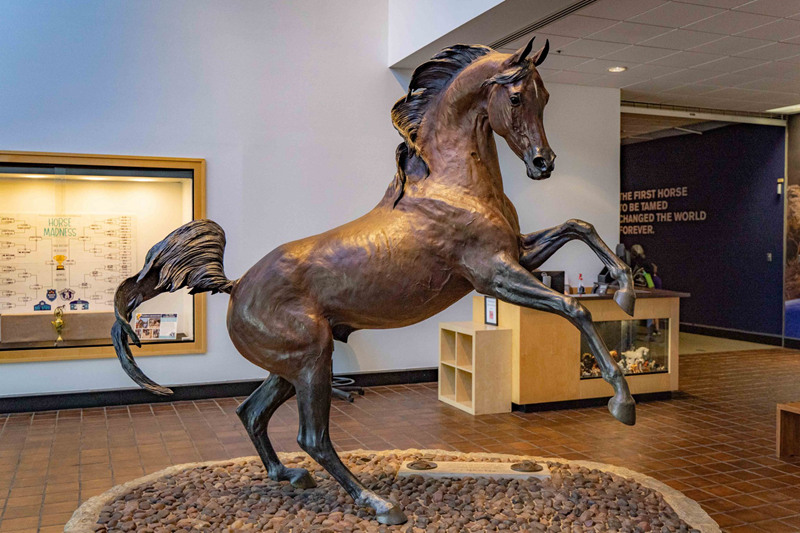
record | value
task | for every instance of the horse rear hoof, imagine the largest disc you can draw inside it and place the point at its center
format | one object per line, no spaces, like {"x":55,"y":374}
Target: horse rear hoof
{"x":623,"y":410}
{"x":626,"y":299}
{"x":392,"y":517}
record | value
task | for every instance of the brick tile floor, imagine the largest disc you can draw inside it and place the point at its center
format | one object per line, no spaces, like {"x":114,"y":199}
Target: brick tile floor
{"x":715,"y":441}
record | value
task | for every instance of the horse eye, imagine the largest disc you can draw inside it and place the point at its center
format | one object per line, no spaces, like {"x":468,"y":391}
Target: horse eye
{"x":515,"y":99}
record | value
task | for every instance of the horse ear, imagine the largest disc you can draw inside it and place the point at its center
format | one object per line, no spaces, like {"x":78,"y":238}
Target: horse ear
{"x":541,"y":55}
{"x":520,"y":55}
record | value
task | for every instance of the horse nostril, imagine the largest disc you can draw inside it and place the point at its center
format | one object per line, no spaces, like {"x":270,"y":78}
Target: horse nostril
{"x":540,"y":163}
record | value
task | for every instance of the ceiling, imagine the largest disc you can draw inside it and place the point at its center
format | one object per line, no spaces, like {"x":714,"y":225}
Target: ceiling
{"x":733,"y":55}
{"x":640,"y":128}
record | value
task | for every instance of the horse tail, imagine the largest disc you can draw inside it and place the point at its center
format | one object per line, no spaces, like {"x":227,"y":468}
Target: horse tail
{"x":190,"y":256}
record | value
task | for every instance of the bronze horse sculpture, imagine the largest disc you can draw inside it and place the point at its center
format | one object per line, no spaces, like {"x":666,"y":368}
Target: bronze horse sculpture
{"x":443,"y":228}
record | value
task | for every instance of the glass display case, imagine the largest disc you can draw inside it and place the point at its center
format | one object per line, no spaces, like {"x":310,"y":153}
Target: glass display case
{"x":638,"y":346}
{"x":72,"y":228}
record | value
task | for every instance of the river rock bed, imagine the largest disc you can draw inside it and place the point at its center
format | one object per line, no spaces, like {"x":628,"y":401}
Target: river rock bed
{"x":238,"y":496}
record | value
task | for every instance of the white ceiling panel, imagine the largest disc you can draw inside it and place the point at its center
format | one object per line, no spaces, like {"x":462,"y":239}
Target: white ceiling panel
{"x":769,"y":96}
{"x":686,"y":59}
{"x":780,"y":100}
{"x":689,"y":90}
{"x":737,"y":93}
{"x":546,"y":73}
{"x":596,"y":66}
{"x":778,"y":30}
{"x":556,"y":41}
{"x":639,"y":54}
{"x":727,"y":4}
{"x":687,"y":76}
{"x":681,"y":39}
{"x":731,"y":79}
{"x":557,"y":61}
{"x":664,"y":99}
{"x":731,"y":22}
{"x":773,"y":52}
{"x":775,"y":69}
{"x":773,"y":84}
{"x":649,"y":86}
{"x":745,"y":105}
{"x":775,"y":8}
{"x":707,"y":101}
{"x":614,"y":81}
{"x":620,"y":9}
{"x":651,"y":70}
{"x":637,"y":96}
{"x":730,"y":45}
{"x":676,"y":15}
{"x":629,"y":33}
{"x":731,"y":64}
{"x":591,"y":48}
{"x":565,"y":76}
{"x":578,"y":26}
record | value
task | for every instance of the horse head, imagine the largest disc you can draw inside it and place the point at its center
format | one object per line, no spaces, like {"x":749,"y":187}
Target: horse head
{"x":515,"y":107}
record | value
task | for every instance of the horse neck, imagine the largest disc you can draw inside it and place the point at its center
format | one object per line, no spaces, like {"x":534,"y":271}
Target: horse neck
{"x":457,"y":141}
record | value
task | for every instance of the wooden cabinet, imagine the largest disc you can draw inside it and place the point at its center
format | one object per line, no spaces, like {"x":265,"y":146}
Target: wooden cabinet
{"x":788,"y":430}
{"x":546,"y":349}
{"x":475,"y":367}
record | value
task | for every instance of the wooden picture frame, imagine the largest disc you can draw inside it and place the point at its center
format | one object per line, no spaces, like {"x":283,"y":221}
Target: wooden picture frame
{"x":490,"y":310}
{"x":198,"y":169}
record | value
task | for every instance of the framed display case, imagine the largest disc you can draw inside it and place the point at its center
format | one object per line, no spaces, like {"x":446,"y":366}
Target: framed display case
{"x":72,"y":227}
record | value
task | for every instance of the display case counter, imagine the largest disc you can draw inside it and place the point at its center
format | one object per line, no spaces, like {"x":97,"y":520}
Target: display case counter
{"x":550,"y":361}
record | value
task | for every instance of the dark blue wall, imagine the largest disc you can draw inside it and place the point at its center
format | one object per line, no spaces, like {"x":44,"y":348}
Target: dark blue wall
{"x":731,"y":173}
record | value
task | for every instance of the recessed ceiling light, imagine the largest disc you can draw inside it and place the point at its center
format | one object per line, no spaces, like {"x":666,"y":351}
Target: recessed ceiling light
{"x":788,"y":110}
{"x":617,"y":69}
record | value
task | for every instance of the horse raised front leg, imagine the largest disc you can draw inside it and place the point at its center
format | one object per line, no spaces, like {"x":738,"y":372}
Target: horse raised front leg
{"x":537,"y":247}
{"x":255,"y":413}
{"x":313,"y":404}
{"x":511,"y":283}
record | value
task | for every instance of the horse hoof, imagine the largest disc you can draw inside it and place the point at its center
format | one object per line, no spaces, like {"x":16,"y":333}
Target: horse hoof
{"x":301,"y":479}
{"x":626,"y":299}
{"x":392,"y":517}
{"x":623,"y":410}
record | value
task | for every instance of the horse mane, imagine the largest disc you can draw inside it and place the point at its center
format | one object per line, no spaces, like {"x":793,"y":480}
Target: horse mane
{"x":427,"y":82}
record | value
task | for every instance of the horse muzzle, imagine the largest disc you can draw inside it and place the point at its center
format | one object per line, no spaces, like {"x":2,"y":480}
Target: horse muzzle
{"x":540,"y":163}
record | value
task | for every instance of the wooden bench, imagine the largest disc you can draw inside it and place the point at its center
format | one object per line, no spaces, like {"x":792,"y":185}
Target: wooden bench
{"x":788,"y":430}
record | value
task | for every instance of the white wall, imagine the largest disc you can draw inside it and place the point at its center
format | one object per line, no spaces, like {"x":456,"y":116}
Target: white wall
{"x":289,"y":103}
{"x":418,"y":29}
{"x":415,"y":23}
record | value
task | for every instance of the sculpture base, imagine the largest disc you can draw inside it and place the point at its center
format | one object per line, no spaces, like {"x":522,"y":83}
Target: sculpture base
{"x":236,"y":495}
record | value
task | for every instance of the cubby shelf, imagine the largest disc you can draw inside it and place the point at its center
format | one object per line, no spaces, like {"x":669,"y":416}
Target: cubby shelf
{"x":475,"y":367}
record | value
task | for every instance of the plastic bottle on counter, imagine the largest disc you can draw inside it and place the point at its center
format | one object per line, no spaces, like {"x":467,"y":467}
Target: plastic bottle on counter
{"x":581,"y":288}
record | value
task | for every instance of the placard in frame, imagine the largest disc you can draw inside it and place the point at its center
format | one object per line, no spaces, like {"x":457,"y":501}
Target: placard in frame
{"x":490,"y":310}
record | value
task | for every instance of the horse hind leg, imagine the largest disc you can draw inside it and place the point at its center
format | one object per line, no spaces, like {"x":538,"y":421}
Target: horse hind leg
{"x":255,"y":413}
{"x":313,"y":403}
